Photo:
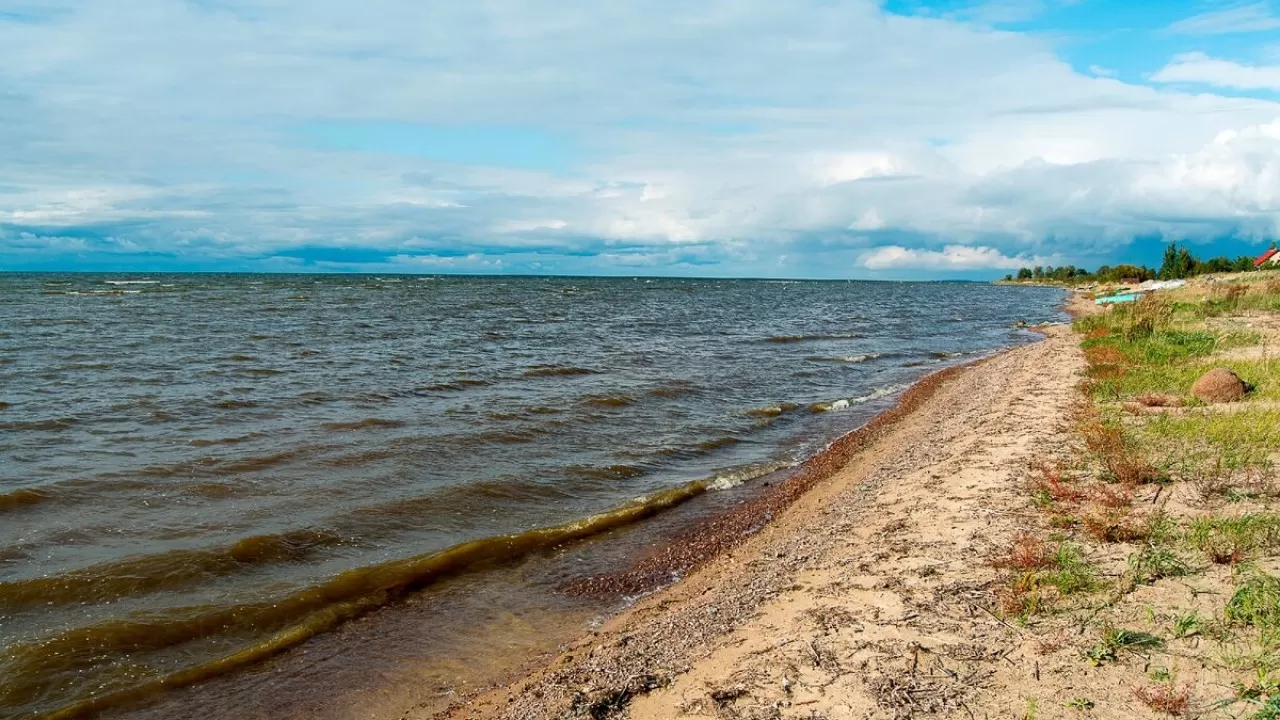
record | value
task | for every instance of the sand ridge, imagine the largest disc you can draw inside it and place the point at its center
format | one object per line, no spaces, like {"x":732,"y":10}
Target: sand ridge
{"x":868,"y":597}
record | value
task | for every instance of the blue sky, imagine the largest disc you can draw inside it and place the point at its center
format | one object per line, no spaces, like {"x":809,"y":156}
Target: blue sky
{"x":765,"y":138}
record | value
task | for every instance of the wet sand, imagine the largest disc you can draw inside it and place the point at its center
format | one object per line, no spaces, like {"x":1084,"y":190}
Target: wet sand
{"x":864,"y":591}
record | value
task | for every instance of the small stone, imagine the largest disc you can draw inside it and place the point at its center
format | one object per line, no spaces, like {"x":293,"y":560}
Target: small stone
{"x":1218,"y":386}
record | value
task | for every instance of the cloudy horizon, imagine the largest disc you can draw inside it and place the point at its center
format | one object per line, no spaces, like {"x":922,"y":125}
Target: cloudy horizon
{"x":821,"y":138}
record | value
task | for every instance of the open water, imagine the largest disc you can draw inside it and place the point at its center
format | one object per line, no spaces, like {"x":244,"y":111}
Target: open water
{"x":198,"y":471}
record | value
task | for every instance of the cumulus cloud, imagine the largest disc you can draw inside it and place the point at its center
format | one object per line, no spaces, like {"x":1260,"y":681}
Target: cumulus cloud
{"x":1197,"y":67}
{"x":951,"y":257}
{"x":756,"y":137}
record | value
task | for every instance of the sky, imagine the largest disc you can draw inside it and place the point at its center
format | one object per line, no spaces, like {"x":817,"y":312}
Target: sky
{"x":890,"y":139}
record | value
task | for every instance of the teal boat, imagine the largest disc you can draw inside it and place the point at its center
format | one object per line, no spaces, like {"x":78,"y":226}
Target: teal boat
{"x":1127,"y":297}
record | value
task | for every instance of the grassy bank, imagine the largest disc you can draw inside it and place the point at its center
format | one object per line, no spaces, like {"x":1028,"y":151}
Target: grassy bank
{"x":1158,"y":550}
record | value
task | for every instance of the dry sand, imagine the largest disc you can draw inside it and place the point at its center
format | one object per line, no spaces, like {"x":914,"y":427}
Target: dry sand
{"x":870,"y":596}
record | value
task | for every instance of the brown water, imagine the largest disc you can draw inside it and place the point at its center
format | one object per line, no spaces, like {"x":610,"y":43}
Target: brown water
{"x":199,"y":471}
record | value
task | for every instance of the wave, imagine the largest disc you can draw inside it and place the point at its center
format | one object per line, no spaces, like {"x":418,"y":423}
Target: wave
{"x":833,"y":406}
{"x":235,"y":404}
{"x":364,"y":424}
{"x":613,"y":401}
{"x":131,"y":282}
{"x":673,"y":389}
{"x":845,"y":404}
{"x":54,"y":424}
{"x":769,"y":411}
{"x":557,"y":371}
{"x":213,"y":466}
{"x":23,"y":497}
{"x":455,"y":385}
{"x":607,"y":472}
{"x":33,"y":667}
{"x":163,"y":571}
{"x":735,"y":477}
{"x":845,"y":358}
{"x":819,"y":337}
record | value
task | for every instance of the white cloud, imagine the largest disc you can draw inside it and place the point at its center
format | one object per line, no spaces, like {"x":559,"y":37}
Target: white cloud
{"x":951,"y":257}
{"x":1200,"y":68}
{"x":752,"y":131}
{"x":1254,"y":17}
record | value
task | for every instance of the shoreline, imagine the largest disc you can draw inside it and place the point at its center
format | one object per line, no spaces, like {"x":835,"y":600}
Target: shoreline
{"x":678,"y":556}
{"x":641,"y":653}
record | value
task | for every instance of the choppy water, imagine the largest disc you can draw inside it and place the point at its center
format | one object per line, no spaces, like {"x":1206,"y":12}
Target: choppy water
{"x":197,"y":470}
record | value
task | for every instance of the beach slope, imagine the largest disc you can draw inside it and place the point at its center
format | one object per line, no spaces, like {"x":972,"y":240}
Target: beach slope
{"x":871,"y":595}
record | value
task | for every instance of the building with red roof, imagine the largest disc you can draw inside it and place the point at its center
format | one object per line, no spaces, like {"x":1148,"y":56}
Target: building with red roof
{"x":1270,"y":256}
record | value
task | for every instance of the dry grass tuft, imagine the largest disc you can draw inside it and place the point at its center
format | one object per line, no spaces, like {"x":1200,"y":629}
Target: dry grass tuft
{"x":1159,"y":400}
{"x":1115,"y":525}
{"x":1114,"y":497}
{"x":1116,"y":454}
{"x":1047,"y":480}
{"x":1028,"y":553}
{"x":1165,"y":698}
{"x":1053,"y":642}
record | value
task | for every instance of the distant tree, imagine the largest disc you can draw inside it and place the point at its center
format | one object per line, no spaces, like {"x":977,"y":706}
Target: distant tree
{"x":1008,"y":278}
{"x":1038,"y":273}
{"x":1178,"y":263}
{"x":1244,"y":263}
{"x":1024,"y":273}
{"x":1214,"y":265}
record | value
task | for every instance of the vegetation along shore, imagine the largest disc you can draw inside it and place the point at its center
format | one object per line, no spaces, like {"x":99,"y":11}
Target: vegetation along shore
{"x":1075,"y":528}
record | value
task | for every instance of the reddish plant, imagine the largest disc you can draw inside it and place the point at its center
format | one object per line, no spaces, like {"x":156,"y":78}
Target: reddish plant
{"x":1165,"y":699}
{"x":1028,"y":552}
{"x":1159,"y":400}
{"x":1112,"y":496}
{"x":1047,"y":478}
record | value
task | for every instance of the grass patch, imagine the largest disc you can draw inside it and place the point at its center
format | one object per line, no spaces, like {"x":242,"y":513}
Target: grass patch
{"x":1188,"y":625}
{"x":1044,"y":574}
{"x":1256,"y":603}
{"x":1153,"y":563}
{"x":1115,"y":641}
{"x":1118,"y":452}
{"x":1270,"y":709}
{"x":1238,"y":439}
{"x":1231,"y":539}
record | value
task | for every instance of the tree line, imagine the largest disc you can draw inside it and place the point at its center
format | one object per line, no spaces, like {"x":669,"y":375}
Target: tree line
{"x":1178,"y":264}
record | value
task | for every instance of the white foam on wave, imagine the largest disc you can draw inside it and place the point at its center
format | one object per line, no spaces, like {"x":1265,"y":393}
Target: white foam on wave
{"x":132,"y":282}
{"x":729,"y":479}
{"x":878,"y":393}
{"x":845,"y":404}
{"x":104,"y":292}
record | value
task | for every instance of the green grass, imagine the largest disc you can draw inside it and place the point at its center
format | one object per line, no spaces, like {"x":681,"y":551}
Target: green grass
{"x":1188,"y":625}
{"x":1176,"y":378}
{"x":1236,"y":439}
{"x":1065,"y":573}
{"x":1113,"y":641}
{"x":1270,"y":709}
{"x":1070,"y":573}
{"x":1243,"y":533}
{"x":1256,"y":603}
{"x":1153,"y":563}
